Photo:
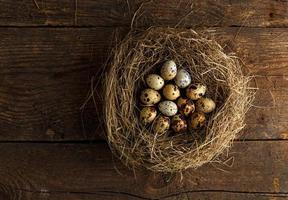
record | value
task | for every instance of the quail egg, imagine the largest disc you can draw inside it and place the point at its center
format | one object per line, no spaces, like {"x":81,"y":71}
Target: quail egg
{"x":183,"y":78}
{"x":161,"y":124}
{"x":187,"y":109}
{"x":150,"y":97}
{"x":205,"y":105}
{"x":168,"y":70}
{"x":168,"y":108}
{"x":155,"y":81}
{"x":195,"y":91}
{"x":197,"y":120}
{"x":182,"y":101}
{"x":147,"y":114}
{"x":178,"y":124}
{"x":171,"y":92}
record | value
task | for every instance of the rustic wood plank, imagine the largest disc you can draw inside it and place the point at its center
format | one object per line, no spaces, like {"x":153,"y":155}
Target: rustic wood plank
{"x":199,"y":195}
{"x":255,"y":13}
{"x":45,"y":76}
{"x":87,"y":171}
{"x":36,"y":12}
{"x":267,"y":118}
{"x":264,"y":51}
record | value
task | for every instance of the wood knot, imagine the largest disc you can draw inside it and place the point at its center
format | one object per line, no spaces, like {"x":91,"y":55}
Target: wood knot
{"x":271,"y":14}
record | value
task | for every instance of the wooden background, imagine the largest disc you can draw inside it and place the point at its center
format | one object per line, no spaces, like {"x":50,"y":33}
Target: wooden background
{"x":50,"y":50}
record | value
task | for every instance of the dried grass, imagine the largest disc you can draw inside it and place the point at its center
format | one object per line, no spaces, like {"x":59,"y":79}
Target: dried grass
{"x":143,"y":52}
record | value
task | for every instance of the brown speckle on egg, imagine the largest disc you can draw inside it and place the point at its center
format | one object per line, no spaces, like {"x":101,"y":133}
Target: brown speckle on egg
{"x":168,"y":108}
{"x":148,"y":114}
{"x":195,"y":91}
{"x":168,"y":70}
{"x":171,"y":92}
{"x":161,"y":124}
{"x":205,"y":105}
{"x":154,"y":81}
{"x":197,"y":120}
{"x":150,"y":97}
{"x":186,"y":107}
{"x":179,"y":124}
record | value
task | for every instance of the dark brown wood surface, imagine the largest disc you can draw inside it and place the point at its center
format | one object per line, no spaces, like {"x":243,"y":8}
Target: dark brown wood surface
{"x":252,"y":13}
{"x":88,"y":170}
{"x":51,"y":149}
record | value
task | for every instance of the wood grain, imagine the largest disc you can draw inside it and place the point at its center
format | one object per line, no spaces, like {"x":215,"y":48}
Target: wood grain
{"x":267,"y":118}
{"x":50,"y":149}
{"x":264,"y":51}
{"x":199,"y":195}
{"x":36,"y":13}
{"x":255,"y":13}
{"x":87,"y":171}
{"x":45,"y":78}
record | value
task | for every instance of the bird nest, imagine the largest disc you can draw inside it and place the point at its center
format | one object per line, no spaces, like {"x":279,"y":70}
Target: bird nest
{"x":141,"y":53}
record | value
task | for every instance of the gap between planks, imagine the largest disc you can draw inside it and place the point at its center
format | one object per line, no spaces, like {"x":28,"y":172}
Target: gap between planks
{"x":127,"y":27}
{"x":102,"y":141}
{"x":96,"y":193}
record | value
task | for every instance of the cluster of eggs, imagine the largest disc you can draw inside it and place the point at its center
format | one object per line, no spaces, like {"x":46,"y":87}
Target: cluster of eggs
{"x":184,"y":105}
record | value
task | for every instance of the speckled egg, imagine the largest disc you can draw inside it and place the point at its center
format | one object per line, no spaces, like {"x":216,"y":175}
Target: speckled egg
{"x":183,"y":78}
{"x":178,"y":124}
{"x":187,"y":109}
{"x":168,"y":70}
{"x":205,"y":105}
{"x":195,"y":91}
{"x":171,"y":92}
{"x":196,"y":121}
{"x":155,"y":81}
{"x":168,"y":108}
{"x":161,"y":124}
{"x":150,"y":97}
{"x":182,"y":101}
{"x":148,"y":114}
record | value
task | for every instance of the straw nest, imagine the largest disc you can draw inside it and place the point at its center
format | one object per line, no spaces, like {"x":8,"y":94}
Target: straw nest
{"x":141,"y":53}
